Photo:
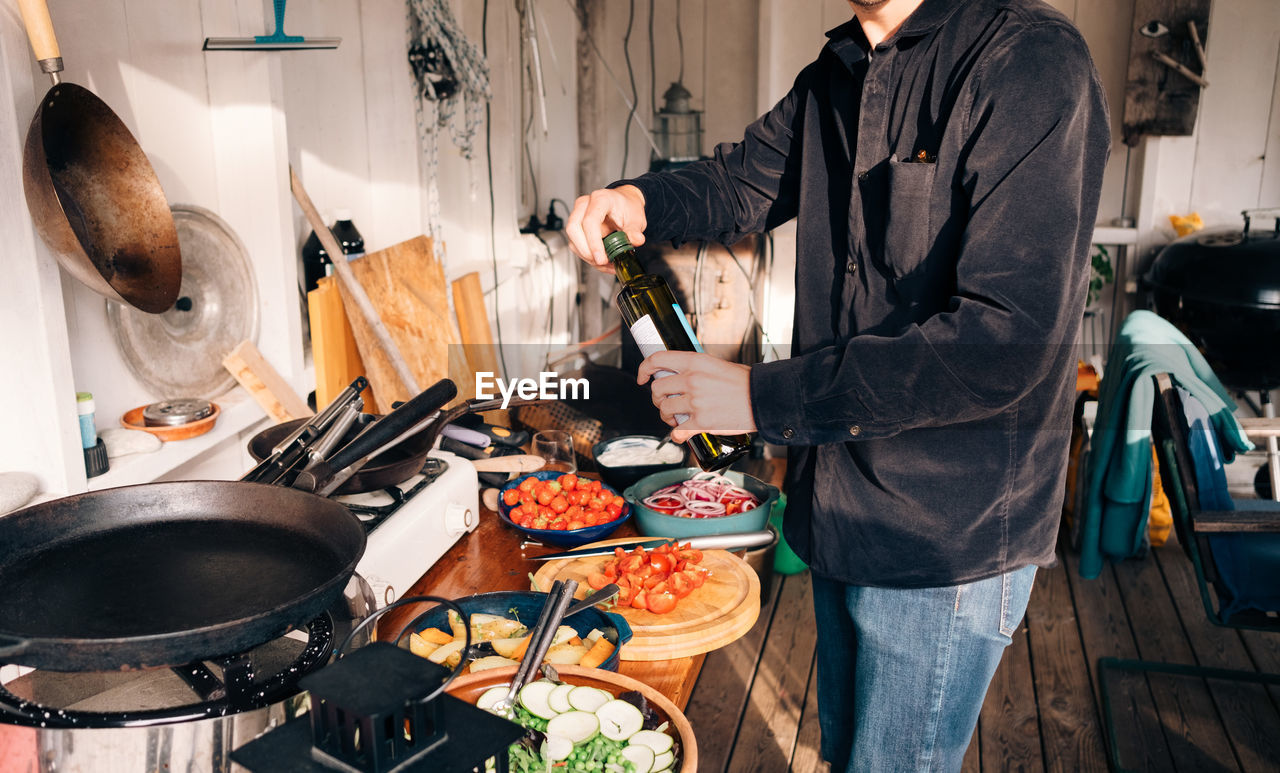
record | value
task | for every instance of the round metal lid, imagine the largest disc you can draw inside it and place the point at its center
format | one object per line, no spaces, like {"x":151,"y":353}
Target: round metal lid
{"x":172,"y":413}
{"x":180,"y":351}
{"x":1224,"y":266}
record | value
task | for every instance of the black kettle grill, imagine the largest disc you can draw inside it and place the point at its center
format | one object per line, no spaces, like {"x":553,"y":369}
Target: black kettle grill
{"x":1222,"y":289}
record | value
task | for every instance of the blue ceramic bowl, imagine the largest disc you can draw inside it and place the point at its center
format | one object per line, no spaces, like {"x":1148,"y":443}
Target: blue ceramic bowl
{"x":652,"y":523}
{"x":526,"y":606}
{"x":564,"y":539}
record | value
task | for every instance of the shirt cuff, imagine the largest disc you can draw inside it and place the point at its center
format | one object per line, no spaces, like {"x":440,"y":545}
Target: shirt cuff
{"x":776,"y":404}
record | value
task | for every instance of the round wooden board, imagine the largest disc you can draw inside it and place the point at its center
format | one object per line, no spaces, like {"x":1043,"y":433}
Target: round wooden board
{"x":721,"y":611}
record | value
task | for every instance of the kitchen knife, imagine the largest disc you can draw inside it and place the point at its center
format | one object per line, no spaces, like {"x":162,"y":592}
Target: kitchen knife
{"x":749,"y":539}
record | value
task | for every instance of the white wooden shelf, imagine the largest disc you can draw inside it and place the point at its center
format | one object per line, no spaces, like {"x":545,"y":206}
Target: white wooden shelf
{"x":239,"y":413}
{"x":1115,"y":235}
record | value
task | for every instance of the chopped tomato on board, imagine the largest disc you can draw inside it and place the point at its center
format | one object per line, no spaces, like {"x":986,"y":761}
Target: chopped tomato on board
{"x":653,"y":580}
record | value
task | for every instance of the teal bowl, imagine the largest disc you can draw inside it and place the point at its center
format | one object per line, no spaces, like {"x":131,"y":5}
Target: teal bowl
{"x":652,"y":523}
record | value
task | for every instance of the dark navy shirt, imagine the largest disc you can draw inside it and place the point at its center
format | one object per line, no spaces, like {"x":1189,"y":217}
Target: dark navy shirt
{"x":945,"y":185}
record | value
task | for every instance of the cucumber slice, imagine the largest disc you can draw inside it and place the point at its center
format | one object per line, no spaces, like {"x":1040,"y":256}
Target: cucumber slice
{"x":577,"y":726}
{"x":533,"y":696}
{"x":490,"y":697}
{"x":559,"y":698}
{"x":659,"y":742}
{"x":640,"y":756}
{"x":588,"y":698}
{"x":556,"y":747}
{"x":664,"y":761}
{"x":619,"y":720}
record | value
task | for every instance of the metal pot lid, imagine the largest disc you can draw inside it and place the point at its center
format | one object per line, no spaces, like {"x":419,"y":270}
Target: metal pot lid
{"x":173,"y":413}
{"x":1229,"y":267}
{"x":180,"y":351}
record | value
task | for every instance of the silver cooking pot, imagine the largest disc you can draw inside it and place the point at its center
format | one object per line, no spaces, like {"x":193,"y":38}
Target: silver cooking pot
{"x":189,"y":746}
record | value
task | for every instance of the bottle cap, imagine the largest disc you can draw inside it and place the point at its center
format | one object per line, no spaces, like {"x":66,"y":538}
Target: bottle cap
{"x":95,"y":460}
{"x":341,"y":214}
{"x":84,"y":403}
{"x":616,"y":242}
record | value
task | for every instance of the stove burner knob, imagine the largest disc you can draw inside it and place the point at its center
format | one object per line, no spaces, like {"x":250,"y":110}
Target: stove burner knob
{"x":383,"y":592}
{"x":458,"y":520}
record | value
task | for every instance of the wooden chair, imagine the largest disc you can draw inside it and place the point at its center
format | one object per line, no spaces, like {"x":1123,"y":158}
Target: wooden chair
{"x":1235,"y":552}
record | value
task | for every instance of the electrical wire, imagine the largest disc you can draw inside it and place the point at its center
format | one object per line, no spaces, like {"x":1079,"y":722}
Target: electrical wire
{"x":680,"y":42}
{"x":586,"y":32}
{"x":653,"y":66}
{"x":493,"y":206}
{"x":631,"y":75}
{"x":751,"y":302}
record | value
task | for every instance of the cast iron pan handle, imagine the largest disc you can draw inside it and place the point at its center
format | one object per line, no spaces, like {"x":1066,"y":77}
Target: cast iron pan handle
{"x":12,"y":645}
{"x":380,"y":436}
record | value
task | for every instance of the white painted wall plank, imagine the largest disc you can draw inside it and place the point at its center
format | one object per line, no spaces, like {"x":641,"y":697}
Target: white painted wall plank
{"x":1233,"y":124}
{"x":40,"y":422}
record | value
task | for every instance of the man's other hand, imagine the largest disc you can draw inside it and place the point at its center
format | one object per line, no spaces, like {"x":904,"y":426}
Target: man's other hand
{"x":600,"y":213}
{"x":714,"y":394}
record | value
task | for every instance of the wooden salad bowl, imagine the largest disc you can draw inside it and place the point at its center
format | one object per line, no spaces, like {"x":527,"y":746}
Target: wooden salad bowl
{"x":470,"y":687}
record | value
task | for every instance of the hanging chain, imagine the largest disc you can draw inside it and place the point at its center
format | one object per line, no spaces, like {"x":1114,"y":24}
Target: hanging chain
{"x":448,"y":69}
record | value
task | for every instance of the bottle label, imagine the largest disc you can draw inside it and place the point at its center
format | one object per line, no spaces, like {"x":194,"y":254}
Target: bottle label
{"x":645,"y":332}
{"x":697,"y":347}
{"x":647,"y":338}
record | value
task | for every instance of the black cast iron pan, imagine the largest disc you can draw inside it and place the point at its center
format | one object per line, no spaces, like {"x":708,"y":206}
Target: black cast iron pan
{"x":386,"y":469}
{"x":165,"y":574}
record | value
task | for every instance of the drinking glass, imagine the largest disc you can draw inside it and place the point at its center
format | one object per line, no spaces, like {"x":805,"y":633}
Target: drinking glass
{"x":556,"y":449}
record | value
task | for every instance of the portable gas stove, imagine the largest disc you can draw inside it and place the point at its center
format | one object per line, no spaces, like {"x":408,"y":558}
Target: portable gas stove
{"x":413,"y":524}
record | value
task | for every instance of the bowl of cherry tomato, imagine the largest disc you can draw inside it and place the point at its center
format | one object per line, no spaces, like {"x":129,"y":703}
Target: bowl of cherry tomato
{"x":561,"y":509}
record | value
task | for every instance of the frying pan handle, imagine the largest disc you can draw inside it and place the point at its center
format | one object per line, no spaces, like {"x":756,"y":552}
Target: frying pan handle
{"x":395,"y":424}
{"x":12,"y":645}
{"x":35,"y":17}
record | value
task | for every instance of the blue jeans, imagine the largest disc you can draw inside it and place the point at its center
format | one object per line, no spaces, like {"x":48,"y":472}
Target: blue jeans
{"x":902,"y":672}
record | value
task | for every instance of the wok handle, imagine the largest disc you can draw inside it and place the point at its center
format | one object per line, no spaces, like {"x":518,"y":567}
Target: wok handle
{"x":35,"y":17}
{"x":395,"y":424}
{"x":12,"y":645}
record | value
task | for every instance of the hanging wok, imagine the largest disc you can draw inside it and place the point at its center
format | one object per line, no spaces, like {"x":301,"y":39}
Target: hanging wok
{"x":93,"y":196}
{"x":165,"y":574}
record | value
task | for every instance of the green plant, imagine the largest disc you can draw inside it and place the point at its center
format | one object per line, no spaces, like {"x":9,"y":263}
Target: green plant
{"x":1101,"y":273}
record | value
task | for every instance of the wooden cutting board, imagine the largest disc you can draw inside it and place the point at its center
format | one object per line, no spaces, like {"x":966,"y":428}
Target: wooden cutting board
{"x":722,"y":610}
{"x":406,"y":285}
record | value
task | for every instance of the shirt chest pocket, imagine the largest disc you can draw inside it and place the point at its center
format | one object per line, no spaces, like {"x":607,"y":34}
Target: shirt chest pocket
{"x":908,"y":231}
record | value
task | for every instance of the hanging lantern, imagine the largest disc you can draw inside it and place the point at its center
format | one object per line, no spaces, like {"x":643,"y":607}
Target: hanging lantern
{"x":677,"y":128}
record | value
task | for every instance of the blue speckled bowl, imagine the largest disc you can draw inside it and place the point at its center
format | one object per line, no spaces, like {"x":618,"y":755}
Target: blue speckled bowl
{"x":527,"y":605}
{"x":564,"y":539}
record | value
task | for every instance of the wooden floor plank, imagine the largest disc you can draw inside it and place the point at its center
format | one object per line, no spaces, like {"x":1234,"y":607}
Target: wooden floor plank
{"x":1264,"y":651}
{"x":808,"y":754}
{"x":972,"y":762}
{"x":720,"y":695}
{"x":1105,"y":633}
{"x":1071,"y":733}
{"x":767,"y":736}
{"x":1248,"y":715}
{"x":1187,"y":712}
{"x":1010,"y":726}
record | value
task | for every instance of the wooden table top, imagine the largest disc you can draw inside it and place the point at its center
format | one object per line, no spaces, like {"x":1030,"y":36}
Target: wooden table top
{"x":490,"y":559}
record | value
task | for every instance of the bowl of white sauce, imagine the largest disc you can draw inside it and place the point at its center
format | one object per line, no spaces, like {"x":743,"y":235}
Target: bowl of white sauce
{"x":624,"y":460}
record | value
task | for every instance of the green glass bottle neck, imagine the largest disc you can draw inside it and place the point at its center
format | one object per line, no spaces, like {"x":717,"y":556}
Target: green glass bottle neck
{"x":626,"y":265}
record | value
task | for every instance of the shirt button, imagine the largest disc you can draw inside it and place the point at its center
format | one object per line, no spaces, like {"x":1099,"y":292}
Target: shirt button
{"x":863,"y":175}
{"x":852,"y":266}
{"x":855,"y":430}
{"x":788,"y":433}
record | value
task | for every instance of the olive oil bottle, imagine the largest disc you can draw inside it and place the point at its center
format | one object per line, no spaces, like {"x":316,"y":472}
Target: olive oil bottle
{"x":657,"y":323}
